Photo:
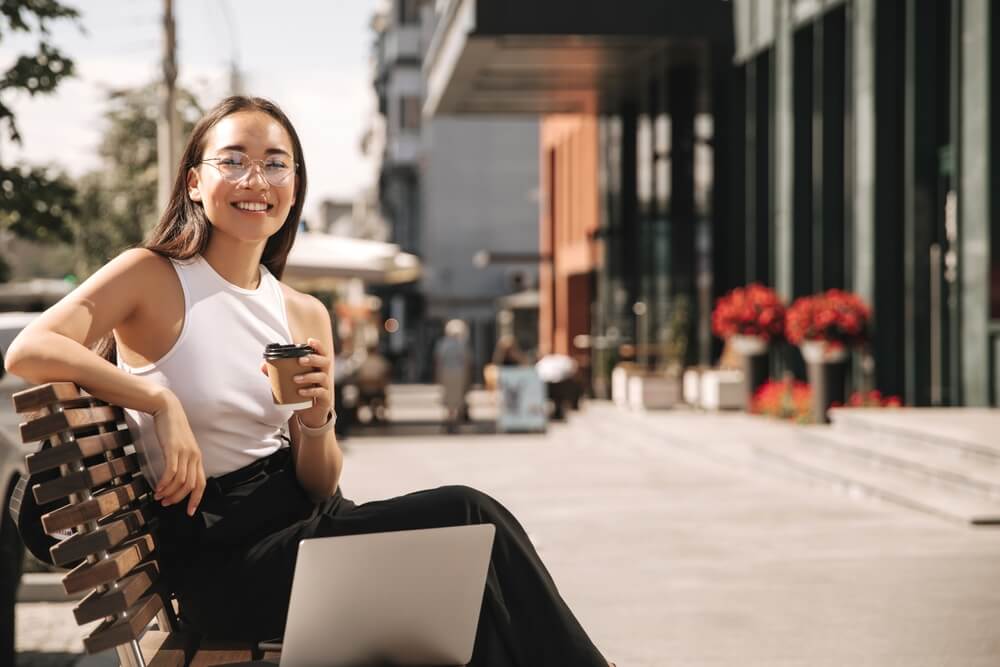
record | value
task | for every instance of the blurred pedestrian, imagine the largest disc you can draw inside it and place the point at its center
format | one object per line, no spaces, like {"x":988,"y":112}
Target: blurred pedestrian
{"x":505,"y":353}
{"x":558,"y":372}
{"x":508,"y":353}
{"x":451,"y":362}
{"x":373,"y":380}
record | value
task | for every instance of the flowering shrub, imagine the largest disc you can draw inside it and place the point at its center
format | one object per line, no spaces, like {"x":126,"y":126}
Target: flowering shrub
{"x":834,"y":316}
{"x":871,"y":399}
{"x":754,"y":310}
{"x":784,"y":399}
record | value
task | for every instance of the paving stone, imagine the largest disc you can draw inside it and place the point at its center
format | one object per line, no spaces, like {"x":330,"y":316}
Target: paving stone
{"x":672,"y":548}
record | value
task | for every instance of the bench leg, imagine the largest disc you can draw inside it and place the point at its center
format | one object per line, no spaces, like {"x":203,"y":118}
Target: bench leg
{"x":129,"y":655}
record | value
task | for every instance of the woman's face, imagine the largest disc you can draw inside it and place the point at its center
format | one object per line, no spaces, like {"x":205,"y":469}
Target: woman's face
{"x":252,"y":207}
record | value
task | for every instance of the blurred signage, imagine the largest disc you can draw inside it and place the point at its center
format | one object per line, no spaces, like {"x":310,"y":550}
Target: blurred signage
{"x":521,"y":398}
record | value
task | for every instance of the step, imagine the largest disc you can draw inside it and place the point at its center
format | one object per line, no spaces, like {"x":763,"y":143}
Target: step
{"x":887,"y":485}
{"x":778,"y":448}
{"x":972,"y":431}
{"x":44,"y":587}
{"x":910,"y":457}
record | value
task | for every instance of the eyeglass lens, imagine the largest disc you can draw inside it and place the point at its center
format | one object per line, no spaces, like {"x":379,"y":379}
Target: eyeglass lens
{"x":235,"y":166}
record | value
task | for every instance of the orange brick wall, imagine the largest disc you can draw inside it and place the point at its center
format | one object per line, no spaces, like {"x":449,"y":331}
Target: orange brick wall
{"x":569,"y":218}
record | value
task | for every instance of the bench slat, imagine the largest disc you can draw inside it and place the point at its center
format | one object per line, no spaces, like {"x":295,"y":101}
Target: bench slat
{"x":73,"y":419}
{"x":166,"y":649}
{"x":98,"y":507}
{"x":110,"y":634}
{"x":221,"y":652}
{"x":86,"y":479}
{"x":105,"y":538}
{"x":43,"y":395}
{"x":53,"y":457}
{"x":116,"y":600}
{"x":115,"y":566}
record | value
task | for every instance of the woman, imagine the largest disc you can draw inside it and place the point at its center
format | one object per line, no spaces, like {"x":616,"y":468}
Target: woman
{"x":184,"y":320}
{"x":451,"y":364}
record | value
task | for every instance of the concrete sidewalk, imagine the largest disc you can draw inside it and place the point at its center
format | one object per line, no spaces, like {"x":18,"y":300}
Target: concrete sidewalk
{"x":673,"y":552}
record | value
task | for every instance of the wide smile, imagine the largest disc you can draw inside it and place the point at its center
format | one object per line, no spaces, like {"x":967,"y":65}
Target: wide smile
{"x":252,"y":208}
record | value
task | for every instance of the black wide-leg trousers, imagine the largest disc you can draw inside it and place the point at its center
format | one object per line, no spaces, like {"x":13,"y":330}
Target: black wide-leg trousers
{"x":232,"y":564}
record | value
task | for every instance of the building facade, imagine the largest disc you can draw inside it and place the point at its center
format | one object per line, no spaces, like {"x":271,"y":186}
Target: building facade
{"x":449,"y":188}
{"x":635,"y":101}
{"x":880,"y":153}
{"x":688,"y":148}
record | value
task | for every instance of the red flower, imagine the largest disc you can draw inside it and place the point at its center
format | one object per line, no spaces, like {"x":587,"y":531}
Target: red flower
{"x":754,"y":310}
{"x":784,"y":399}
{"x":873,"y":399}
{"x":834,"y":316}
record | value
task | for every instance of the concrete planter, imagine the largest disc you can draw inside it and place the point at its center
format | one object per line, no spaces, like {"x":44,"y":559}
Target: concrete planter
{"x":827,"y":373}
{"x":721,"y":390}
{"x":620,"y":383}
{"x":691,"y":384}
{"x":653,"y":392}
{"x":753,"y":350}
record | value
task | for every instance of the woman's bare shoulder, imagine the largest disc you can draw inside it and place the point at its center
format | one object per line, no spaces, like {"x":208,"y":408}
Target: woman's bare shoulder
{"x":138,"y":264}
{"x":303,"y":308}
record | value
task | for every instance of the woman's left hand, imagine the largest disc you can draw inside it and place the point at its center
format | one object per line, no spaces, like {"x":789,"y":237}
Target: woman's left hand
{"x":316,"y":382}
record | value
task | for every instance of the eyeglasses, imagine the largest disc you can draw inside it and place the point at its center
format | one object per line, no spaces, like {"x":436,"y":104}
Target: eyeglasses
{"x":235,"y":166}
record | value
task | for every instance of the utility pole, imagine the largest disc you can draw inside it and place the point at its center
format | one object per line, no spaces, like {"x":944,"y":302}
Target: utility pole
{"x":167,"y":130}
{"x":235,"y":75}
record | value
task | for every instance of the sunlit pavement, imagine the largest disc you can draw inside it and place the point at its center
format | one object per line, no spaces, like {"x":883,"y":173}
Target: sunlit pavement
{"x":673,"y":555}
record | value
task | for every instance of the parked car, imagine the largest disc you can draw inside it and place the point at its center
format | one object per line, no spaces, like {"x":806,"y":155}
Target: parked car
{"x":11,"y":325}
{"x":11,"y":469}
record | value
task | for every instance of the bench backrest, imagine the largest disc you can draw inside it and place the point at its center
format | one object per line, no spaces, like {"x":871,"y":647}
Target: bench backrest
{"x":108,"y":511}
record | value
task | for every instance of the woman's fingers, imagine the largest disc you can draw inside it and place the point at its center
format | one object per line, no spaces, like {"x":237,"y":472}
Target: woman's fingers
{"x":315,"y":361}
{"x":319,"y":395}
{"x":190,"y":480}
{"x":169,"y":472}
{"x":312,"y":378}
{"x":318,"y":345}
{"x":176,"y":489}
{"x":199,"y":490}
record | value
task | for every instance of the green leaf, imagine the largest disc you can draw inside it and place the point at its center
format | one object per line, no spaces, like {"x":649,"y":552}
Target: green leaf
{"x":36,"y":206}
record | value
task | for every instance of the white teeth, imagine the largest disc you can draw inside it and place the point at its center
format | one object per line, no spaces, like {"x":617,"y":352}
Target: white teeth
{"x":251,"y":206}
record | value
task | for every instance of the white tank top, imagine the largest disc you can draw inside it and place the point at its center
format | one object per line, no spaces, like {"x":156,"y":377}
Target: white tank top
{"x":214,"y":369}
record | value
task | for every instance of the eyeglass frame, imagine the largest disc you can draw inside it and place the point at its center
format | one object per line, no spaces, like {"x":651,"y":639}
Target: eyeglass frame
{"x":253,"y":163}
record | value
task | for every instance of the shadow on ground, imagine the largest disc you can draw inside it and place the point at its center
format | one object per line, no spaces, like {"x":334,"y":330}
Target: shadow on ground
{"x":39,"y":659}
{"x":420,"y":428}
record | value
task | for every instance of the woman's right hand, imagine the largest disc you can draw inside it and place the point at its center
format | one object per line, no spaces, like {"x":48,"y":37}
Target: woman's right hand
{"x":183,"y":474}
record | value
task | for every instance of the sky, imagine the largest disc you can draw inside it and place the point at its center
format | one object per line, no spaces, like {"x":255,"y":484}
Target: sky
{"x":310,"y":56}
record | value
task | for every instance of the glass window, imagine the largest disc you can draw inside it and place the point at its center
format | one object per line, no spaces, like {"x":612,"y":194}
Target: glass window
{"x":409,"y":12}
{"x":409,"y":112}
{"x":764,"y":30}
{"x":744,"y":38}
{"x":644,"y":155}
{"x":661,"y":168}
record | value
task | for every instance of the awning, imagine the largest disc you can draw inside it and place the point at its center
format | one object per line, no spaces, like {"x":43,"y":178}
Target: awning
{"x":321,"y":261}
{"x":561,"y":56}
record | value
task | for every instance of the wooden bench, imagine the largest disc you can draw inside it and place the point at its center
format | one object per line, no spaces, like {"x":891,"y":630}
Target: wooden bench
{"x":110,"y":514}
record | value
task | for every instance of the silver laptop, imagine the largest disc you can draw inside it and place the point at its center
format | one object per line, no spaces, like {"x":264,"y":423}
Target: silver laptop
{"x":403,"y":598}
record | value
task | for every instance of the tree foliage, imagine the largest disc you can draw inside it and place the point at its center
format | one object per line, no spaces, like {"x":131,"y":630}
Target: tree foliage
{"x":117,"y":203}
{"x":34,"y":204}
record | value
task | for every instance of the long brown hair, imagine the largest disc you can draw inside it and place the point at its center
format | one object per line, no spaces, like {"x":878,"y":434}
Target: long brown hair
{"x":184,"y":229}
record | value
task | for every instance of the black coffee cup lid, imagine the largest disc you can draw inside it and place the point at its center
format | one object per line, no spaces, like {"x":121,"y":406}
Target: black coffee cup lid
{"x":286,"y":351}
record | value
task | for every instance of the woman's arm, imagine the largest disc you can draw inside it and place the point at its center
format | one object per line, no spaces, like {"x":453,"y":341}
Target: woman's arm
{"x":56,"y":347}
{"x":318,"y":459}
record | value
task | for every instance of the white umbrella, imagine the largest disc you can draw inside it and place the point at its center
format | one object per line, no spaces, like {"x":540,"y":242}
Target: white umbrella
{"x":319,"y":261}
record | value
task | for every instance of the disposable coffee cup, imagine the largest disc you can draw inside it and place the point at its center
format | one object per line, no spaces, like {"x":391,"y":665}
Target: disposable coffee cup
{"x":282,"y":367}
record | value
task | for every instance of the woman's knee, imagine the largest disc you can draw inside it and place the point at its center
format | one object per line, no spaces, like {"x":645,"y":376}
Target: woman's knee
{"x":474,"y":501}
